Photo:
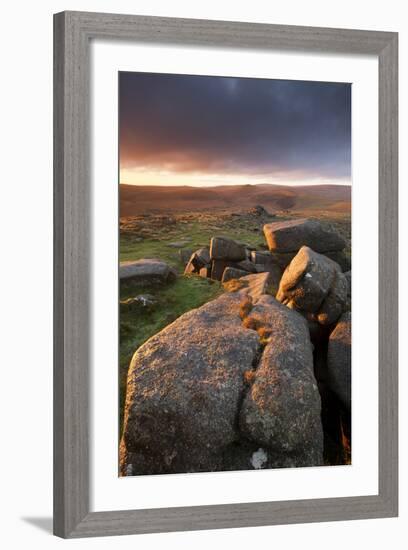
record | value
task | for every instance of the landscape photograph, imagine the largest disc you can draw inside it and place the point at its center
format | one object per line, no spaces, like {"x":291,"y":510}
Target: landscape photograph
{"x":234,"y":274}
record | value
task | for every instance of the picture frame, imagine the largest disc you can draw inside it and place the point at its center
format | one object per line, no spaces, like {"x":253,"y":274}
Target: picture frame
{"x":73,"y":32}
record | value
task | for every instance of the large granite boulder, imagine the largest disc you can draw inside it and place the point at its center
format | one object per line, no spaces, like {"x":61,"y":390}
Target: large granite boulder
{"x":223,"y":248}
{"x":289,"y":236}
{"x":184,"y":391}
{"x":147,"y":271}
{"x":190,"y":405}
{"x":315,"y":285}
{"x":282,"y":409}
{"x":339,"y":360}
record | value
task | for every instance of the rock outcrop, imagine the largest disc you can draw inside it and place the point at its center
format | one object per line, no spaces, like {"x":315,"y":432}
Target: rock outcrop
{"x":339,"y":360}
{"x":246,"y":380}
{"x":188,"y":405}
{"x":285,"y":238}
{"x":147,"y":271}
{"x":227,"y":259}
{"x":184,"y":391}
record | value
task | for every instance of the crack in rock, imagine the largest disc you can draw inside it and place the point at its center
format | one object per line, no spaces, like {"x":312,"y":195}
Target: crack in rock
{"x":188,"y":407}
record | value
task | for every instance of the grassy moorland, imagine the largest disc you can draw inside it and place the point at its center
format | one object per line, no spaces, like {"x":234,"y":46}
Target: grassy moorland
{"x":137,"y":324}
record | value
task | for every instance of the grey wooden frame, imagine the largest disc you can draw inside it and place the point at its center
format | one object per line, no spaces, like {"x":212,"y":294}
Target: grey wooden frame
{"x":72,"y":34}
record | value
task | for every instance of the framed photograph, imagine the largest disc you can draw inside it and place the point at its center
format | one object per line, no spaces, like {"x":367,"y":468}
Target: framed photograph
{"x":225,"y":283}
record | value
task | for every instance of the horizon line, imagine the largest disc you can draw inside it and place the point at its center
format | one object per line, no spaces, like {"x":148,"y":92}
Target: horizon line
{"x":314,"y":184}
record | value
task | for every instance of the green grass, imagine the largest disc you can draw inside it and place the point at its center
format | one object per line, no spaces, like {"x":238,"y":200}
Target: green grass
{"x":187,"y":292}
{"x":139,"y":324}
{"x":132,"y":249}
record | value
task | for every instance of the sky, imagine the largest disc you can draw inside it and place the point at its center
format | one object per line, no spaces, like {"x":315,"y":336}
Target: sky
{"x":209,"y":130}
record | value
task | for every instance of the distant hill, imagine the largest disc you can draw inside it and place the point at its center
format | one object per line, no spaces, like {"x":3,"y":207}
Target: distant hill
{"x":137,"y":199}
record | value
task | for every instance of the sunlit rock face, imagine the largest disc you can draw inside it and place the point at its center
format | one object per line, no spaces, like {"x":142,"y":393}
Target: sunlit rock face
{"x":314,"y":285}
{"x":206,"y":393}
{"x":289,"y":236}
{"x":281,"y":411}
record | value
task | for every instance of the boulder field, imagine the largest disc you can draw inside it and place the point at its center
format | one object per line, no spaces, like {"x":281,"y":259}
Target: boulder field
{"x":284,"y":240}
{"x":238,"y":383}
{"x":207,"y":392}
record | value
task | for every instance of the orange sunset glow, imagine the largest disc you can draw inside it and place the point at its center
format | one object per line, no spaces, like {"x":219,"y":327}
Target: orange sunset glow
{"x":178,"y":130}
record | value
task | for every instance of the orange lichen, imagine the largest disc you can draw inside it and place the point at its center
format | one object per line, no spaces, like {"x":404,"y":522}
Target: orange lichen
{"x":249,"y":377}
{"x":264,"y":334}
{"x":234,"y":285}
{"x":250,"y":322}
{"x":245,"y":307}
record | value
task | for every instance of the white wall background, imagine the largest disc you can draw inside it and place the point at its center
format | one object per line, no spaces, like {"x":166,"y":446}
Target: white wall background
{"x":26,"y":272}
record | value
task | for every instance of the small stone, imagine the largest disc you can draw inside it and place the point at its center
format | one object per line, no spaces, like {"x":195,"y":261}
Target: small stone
{"x":147,"y":271}
{"x":259,"y":459}
{"x":141,"y":301}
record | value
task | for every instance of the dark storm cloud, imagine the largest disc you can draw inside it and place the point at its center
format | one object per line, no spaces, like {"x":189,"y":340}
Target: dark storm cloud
{"x":235,"y":125}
